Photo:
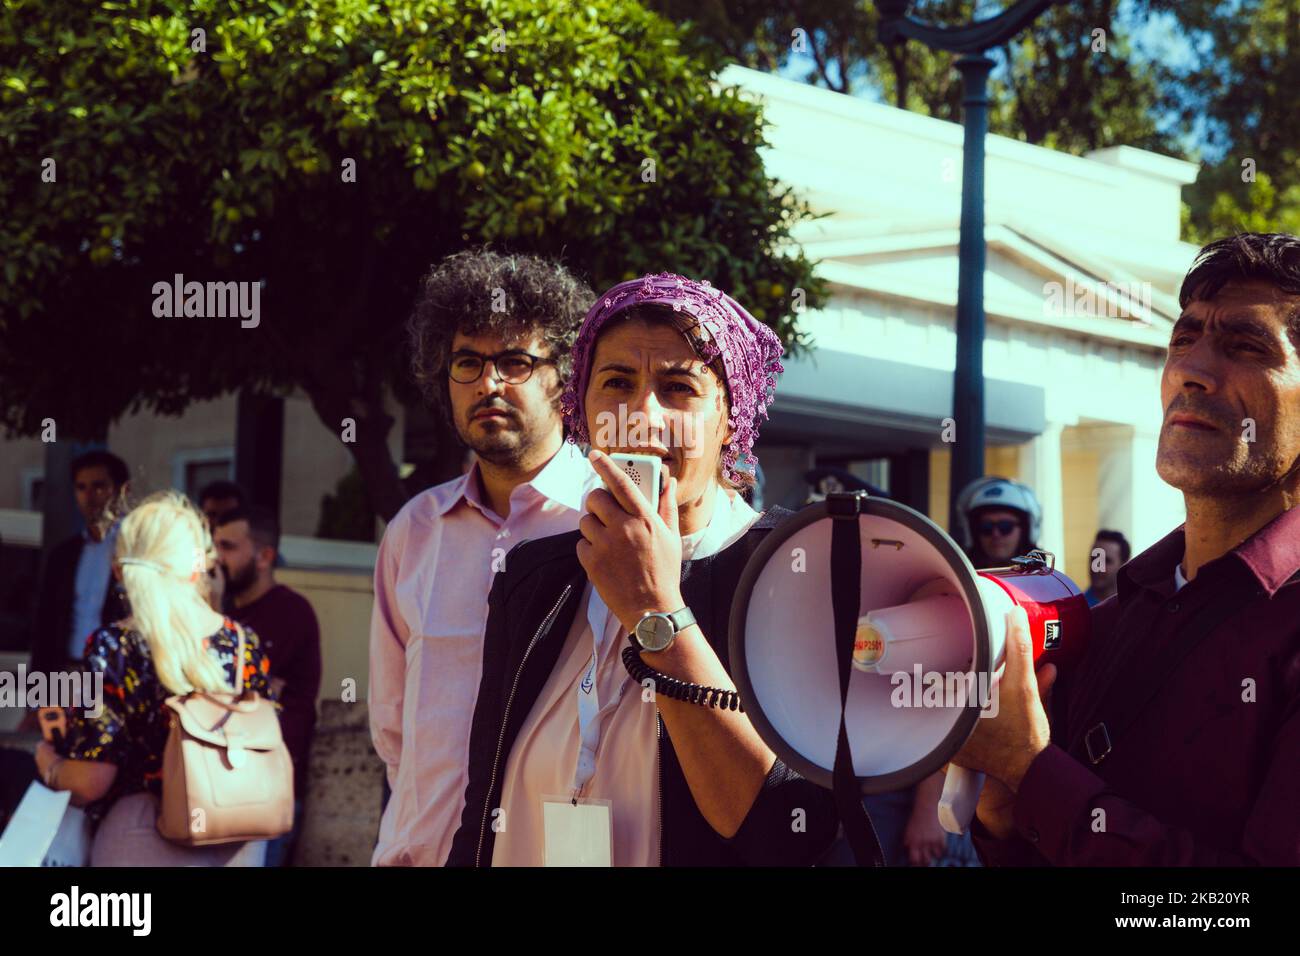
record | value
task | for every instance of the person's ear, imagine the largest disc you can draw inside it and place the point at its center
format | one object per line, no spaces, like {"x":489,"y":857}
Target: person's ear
{"x":728,"y":433}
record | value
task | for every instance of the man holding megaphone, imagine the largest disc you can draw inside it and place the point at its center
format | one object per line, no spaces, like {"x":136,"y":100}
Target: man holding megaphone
{"x":1176,"y":739}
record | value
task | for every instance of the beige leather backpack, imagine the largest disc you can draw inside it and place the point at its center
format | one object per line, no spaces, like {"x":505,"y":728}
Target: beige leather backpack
{"x":226,"y":773}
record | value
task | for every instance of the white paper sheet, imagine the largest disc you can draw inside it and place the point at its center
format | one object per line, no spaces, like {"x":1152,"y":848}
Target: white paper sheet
{"x":45,"y":831}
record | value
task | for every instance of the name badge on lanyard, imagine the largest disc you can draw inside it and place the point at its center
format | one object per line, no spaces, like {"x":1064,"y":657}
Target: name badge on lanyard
{"x":577,"y":834}
{"x":579,"y":830}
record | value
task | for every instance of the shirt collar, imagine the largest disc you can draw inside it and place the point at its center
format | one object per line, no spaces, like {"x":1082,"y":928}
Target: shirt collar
{"x":1153,"y":568}
{"x":732,"y":517}
{"x":564,"y":479}
{"x":567,"y":477}
{"x":1273,"y":552}
{"x":1271,"y":555}
{"x":446,"y":495}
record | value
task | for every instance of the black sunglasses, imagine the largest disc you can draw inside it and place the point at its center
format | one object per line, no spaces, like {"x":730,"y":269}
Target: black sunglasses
{"x":513,"y":366}
{"x":1003,"y":527}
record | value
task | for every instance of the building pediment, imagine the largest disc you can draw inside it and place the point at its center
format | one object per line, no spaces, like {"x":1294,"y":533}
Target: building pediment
{"x":1030,"y":277}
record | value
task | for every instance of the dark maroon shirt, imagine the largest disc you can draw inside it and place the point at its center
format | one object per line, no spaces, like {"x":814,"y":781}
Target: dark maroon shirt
{"x":286,"y":624}
{"x":1208,"y":771}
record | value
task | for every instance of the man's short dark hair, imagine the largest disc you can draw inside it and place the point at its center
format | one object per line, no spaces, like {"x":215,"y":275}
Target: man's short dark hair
{"x":221,"y":489}
{"x":1272,"y":257}
{"x":263,"y":525}
{"x":460,"y":295}
{"x":118,"y":472}
{"x":1105,"y":534}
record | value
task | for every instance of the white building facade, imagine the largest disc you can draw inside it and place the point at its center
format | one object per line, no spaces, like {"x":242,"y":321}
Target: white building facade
{"x":1083,"y":269}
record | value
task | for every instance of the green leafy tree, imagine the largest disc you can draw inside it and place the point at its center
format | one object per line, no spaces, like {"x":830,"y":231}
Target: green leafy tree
{"x":330,"y":150}
{"x":1058,"y":84}
{"x":1238,"y":91}
{"x":345,"y":514}
{"x":1261,"y":208}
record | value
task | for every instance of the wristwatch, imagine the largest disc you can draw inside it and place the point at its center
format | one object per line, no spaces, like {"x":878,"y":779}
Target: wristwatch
{"x":656,"y":632}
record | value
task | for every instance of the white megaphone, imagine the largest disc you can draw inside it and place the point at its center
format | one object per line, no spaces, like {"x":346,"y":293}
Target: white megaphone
{"x":868,"y":596}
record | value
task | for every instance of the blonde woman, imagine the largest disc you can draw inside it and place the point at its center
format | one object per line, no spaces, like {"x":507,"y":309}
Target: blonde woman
{"x":171,"y":643}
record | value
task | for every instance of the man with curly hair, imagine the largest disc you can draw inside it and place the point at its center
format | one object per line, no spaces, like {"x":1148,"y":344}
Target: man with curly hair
{"x":491,"y":337}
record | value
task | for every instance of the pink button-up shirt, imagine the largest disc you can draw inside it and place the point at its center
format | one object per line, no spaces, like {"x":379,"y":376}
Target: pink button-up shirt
{"x":432,"y":578}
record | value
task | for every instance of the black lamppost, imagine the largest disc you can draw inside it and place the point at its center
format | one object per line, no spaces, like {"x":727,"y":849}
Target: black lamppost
{"x":970,"y":41}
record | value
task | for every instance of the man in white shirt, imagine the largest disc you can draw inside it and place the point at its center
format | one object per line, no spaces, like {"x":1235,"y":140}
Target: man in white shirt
{"x":491,"y":337}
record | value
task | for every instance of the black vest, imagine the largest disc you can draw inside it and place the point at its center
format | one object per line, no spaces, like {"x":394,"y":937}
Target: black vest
{"x":532,"y":606}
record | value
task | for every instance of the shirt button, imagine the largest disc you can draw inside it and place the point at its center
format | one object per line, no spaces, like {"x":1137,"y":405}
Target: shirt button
{"x":1173,"y":607}
{"x":1032,"y":835}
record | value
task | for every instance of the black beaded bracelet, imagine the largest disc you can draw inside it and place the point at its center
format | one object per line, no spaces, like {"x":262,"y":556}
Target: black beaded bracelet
{"x":679,"y":689}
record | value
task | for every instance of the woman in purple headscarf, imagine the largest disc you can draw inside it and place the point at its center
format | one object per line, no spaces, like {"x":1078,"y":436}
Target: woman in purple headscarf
{"x":607,"y":729}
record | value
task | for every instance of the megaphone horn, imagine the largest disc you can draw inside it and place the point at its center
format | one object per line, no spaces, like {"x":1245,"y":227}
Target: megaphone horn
{"x":864,"y":643}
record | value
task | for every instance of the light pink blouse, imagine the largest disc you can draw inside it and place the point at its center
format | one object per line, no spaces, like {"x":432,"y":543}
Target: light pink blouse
{"x":545,"y":754}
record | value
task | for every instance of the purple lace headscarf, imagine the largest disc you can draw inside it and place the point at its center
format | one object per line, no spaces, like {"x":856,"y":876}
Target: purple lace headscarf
{"x":751,"y":353}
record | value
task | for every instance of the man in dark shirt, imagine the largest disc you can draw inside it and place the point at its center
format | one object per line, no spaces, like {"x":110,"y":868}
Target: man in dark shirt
{"x":1176,"y":741}
{"x":247,"y":540}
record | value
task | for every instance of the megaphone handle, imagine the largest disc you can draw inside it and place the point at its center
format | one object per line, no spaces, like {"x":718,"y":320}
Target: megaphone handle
{"x":961,"y":795}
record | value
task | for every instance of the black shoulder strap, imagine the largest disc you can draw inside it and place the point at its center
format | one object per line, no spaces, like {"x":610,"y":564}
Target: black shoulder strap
{"x":1105,"y":723}
{"x":772,"y":517}
{"x":846,"y":602}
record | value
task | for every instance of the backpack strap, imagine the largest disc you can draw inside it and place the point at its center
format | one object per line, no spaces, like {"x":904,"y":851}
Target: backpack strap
{"x":239,"y":660}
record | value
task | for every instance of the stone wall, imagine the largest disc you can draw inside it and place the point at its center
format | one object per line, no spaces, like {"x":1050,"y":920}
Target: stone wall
{"x":341,"y":816}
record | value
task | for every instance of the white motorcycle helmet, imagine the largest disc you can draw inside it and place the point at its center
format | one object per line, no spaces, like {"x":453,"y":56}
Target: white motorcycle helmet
{"x":994,"y":492}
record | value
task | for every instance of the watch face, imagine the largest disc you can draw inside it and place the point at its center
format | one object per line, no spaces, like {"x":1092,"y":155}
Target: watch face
{"x":655,"y":633}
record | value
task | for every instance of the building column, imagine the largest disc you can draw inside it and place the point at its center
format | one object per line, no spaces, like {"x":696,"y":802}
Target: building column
{"x":259,"y":448}
{"x":1138,"y":502}
{"x":1040,"y":469}
{"x":909,"y":478}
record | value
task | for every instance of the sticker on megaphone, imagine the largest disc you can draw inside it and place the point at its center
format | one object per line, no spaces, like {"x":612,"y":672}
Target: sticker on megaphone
{"x":932,"y":628}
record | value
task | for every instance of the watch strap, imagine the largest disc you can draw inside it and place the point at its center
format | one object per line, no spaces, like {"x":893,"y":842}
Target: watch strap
{"x":681,"y":620}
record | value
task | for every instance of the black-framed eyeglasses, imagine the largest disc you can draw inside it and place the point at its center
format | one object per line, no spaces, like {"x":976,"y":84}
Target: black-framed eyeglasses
{"x":513,"y":366}
{"x":1003,"y":527}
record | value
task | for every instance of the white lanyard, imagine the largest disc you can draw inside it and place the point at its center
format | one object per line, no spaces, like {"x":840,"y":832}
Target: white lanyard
{"x":590,"y":714}
{"x":728,"y":521}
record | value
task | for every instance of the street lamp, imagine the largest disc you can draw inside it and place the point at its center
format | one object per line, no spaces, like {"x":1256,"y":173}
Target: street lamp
{"x":970,"y":41}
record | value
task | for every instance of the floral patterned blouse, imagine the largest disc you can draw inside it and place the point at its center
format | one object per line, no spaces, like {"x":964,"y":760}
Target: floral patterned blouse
{"x":131,"y":731}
